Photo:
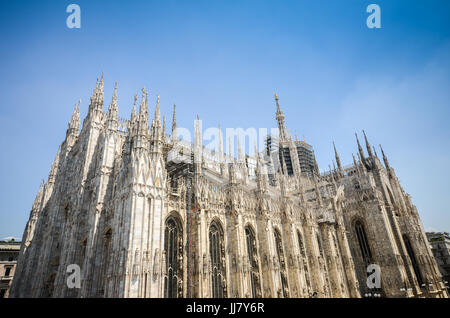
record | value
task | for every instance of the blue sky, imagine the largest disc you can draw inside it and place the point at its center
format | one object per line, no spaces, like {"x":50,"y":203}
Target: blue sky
{"x":224,"y":60}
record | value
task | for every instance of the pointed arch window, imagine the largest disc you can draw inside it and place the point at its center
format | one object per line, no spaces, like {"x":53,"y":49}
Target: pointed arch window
{"x":49,"y":285}
{"x":413,"y":259}
{"x":304,"y":261}
{"x":83,"y":250}
{"x":253,"y":259}
{"x":106,"y":257}
{"x":217,"y":254}
{"x":363,"y":242}
{"x":319,"y":245}
{"x":300,"y":244}
{"x":281,"y":261}
{"x":173,"y":247}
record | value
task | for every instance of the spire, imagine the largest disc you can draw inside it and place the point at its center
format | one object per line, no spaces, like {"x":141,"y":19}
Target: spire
{"x":164,"y":127}
{"x":375,"y":151}
{"x":240,"y":154}
{"x":113,"y":109}
{"x":133,"y":112}
{"x":261,"y":172}
{"x":220,"y":145}
{"x":338,"y":160}
{"x":174,"y":135}
{"x":54,"y":167}
{"x":360,"y":150}
{"x":316,"y":166}
{"x":157,"y":110}
{"x":198,"y":147}
{"x":157,"y":134}
{"x":230,"y":148}
{"x":174,"y":119}
{"x":278,"y":104}
{"x":146,"y":100}
{"x":356,"y":164}
{"x":283,"y":164}
{"x":96,"y":87}
{"x":74,"y":123}
{"x":318,"y":194}
{"x":283,"y":177}
{"x":100,"y":94}
{"x":114,"y":98}
{"x":97,"y":96}
{"x":386,"y":162}
{"x":332,"y":173}
{"x":143,"y":114}
{"x":369,"y":149}
{"x":101,"y":81}
{"x":280,"y":120}
{"x":143,"y":106}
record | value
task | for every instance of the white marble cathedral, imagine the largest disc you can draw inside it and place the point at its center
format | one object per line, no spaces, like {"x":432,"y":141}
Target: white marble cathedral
{"x":145,"y":214}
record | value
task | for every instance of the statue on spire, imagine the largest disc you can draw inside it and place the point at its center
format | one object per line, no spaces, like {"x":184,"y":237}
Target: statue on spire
{"x":338,"y":160}
{"x":280,"y":120}
{"x":369,"y":149}
{"x":386,"y":162}
{"x":157,"y":110}
{"x":174,"y":119}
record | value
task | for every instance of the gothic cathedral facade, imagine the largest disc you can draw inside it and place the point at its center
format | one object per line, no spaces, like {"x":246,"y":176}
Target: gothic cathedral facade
{"x":145,"y":214}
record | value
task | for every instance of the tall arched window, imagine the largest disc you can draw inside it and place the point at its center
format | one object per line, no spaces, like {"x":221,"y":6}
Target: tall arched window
{"x":49,"y":286}
{"x":300,"y":244}
{"x":363,"y":242}
{"x":106,"y":257}
{"x":253,"y":259}
{"x":173,"y":247}
{"x":217,"y":254}
{"x":319,"y":245}
{"x":304,"y":261}
{"x":413,"y":259}
{"x":281,"y":261}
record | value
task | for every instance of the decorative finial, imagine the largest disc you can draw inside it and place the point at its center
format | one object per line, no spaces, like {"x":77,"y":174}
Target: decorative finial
{"x":174,"y":119}
{"x":278,"y":104}
{"x":386,"y":162}
{"x":361,"y":153}
{"x":142,"y":105}
{"x":354,"y":160}
{"x":375,"y":151}
{"x":157,"y":110}
{"x":338,"y":160}
{"x":114,"y":98}
{"x":164,"y":124}
{"x":101,"y":80}
{"x":369,"y":149}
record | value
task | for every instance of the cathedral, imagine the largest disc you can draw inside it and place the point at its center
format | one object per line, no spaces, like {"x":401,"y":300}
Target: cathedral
{"x":144,"y":213}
